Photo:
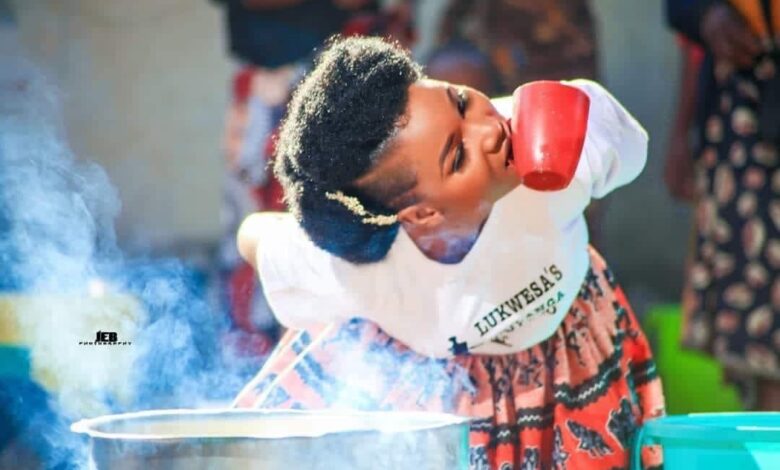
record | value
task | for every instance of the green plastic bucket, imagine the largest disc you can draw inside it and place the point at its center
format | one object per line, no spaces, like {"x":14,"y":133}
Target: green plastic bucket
{"x":744,"y":441}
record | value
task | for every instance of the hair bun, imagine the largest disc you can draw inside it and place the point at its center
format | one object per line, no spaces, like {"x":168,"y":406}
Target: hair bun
{"x":338,"y":122}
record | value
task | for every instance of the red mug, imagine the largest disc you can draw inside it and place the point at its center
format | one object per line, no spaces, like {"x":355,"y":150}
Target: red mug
{"x":549,"y":122}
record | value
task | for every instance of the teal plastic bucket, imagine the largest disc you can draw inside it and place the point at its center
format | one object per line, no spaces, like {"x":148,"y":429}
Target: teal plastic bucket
{"x":744,"y":441}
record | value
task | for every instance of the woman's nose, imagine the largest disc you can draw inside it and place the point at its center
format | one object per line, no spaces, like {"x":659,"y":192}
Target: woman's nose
{"x":491,"y":134}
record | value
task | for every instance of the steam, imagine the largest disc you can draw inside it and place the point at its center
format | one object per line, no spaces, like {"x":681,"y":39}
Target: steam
{"x":374,"y":375}
{"x":349,"y":368}
{"x":385,"y":378}
{"x":65,"y":279}
{"x":449,"y":245}
{"x":68,"y":281}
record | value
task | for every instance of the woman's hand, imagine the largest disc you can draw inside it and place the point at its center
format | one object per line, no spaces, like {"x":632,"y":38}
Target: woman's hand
{"x":728,"y":36}
{"x":678,"y":168}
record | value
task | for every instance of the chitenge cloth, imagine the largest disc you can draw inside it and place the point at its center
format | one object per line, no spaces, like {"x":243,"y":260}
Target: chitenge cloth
{"x":573,"y":401}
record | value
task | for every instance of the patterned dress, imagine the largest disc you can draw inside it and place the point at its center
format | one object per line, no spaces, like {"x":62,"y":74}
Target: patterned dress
{"x":732,"y":298}
{"x":573,"y":401}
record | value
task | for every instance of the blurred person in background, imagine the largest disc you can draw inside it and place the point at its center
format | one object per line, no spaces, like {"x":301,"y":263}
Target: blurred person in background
{"x":462,"y":62}
{"x":731,"y":299}
{"x":678,"y":164}
{"x":272,"y":43}
{"x":527,"y":40}
{"x":519,"y":41}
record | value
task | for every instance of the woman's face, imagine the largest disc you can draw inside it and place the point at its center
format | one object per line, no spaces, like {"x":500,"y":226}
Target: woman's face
{"x":459,"y":148}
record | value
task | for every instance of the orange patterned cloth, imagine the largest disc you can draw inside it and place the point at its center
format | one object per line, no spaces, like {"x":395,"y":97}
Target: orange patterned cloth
{"x":753,"y":13}
{"x":573,"y":401}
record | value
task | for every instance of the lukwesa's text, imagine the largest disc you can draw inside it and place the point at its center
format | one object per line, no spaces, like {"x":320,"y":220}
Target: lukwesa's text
{"x":520,"y":301}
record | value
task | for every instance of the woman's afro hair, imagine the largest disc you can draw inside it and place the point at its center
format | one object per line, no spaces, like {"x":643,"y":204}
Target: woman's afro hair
{"x":338,"y":124}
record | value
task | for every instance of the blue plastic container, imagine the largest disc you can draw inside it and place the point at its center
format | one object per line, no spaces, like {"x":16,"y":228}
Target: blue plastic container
{"x":744,"y":441}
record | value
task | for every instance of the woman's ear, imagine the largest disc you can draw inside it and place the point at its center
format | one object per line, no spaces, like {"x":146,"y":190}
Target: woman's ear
{"x":420,"y":217}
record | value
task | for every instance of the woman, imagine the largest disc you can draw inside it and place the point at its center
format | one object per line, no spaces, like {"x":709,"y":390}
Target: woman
{"x":731,"y":301}
{"x":419,"y":273}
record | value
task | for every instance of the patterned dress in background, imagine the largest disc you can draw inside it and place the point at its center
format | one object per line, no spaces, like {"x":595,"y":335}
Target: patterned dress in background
{"x":572,"y":402}
{"x":732,"y":298}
